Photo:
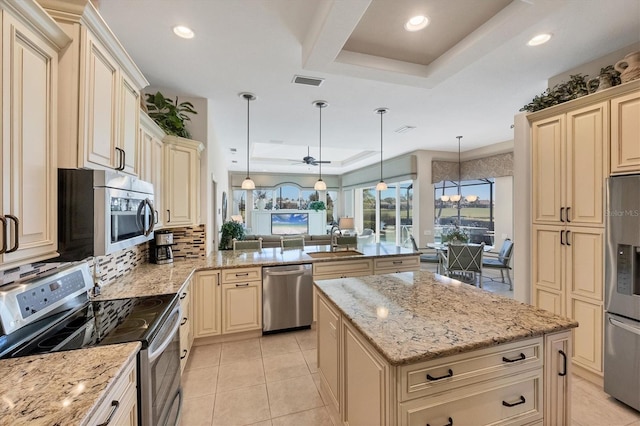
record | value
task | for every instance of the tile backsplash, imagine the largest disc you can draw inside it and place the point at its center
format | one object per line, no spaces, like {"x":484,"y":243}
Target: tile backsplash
{"x":188,"y":242}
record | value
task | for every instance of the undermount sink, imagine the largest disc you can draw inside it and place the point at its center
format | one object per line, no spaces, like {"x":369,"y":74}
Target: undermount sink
{"x":339,"y":253}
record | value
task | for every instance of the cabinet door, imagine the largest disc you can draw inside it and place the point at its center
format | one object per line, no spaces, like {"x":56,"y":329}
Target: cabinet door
{"x":366,"y":382}
{"x":328,"y":327}
{"x":585,"y":262}
{"x":181,"y":186}
{"x":587,"y":142}
{"x":557,"y":379}
{"x":548,"y":154}
{"x":129,"y":118}
{"x":150,"y":166}
{"x":587,"y":339}
{"x":99,"y":112}
{"x":29,"y":171}
{"x":625,"y":134}
{"x":206,"y":304}
{"x":547,"y":257}
{"x":241,"y":307}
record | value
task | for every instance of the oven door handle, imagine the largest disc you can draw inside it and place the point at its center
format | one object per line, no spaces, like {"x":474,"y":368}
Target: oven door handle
{"x":153,"y":355}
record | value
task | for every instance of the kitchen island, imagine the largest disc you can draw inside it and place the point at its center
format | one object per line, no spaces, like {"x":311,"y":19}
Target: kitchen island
{"x":418,"y":348}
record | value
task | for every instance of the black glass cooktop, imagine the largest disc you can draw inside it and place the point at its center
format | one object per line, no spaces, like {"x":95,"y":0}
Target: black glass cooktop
{"x":94,"y":323}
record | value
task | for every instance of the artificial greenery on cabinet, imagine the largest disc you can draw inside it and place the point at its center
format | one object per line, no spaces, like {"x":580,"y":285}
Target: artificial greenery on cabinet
{"x":170,"y":115}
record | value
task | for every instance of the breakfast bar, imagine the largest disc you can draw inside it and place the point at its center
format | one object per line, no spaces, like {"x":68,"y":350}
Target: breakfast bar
{"x":426,"y":349}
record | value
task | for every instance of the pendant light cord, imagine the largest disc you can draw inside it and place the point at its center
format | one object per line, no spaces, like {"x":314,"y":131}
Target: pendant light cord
{"x":248,"y":100}
{"x":459,"y":169}
{"x":381,"y":113}
{"x":320,"y":162}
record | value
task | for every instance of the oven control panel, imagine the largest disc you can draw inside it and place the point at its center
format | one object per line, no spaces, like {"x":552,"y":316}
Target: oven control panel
{"x":49,"y":293}
{"x":25,"y":302}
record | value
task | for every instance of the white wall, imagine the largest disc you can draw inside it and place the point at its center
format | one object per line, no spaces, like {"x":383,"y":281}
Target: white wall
{"x":503,"y":211}
{"x":521,"y":210}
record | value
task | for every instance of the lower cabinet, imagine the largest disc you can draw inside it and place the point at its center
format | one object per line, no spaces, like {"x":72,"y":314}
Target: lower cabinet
{"x":524,"y":382}
{"x":226,"y":304}
{"x":186,"y":324}
{"x":120,"y":407}
{"x":391,"y":265}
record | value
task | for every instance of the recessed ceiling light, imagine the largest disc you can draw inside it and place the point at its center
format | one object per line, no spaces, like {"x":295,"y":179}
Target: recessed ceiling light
{"x":539,"y":39}
{"x":416,"y":23}
{"x":182,"y":31}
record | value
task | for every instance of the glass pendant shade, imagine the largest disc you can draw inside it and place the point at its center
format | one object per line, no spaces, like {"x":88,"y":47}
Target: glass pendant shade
{"x":444,"y":198}
{"x":320,"y":185}
{"x":455,"y":198}
{"x":471,"y":198}
{"x":248,"y":183}
{"x":381,"y":186}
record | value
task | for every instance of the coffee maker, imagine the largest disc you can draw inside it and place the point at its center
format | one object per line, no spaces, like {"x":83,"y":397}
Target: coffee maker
{"x":162,"y":250}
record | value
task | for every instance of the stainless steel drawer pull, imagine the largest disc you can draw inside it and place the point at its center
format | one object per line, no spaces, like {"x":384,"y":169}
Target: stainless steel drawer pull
{"x":449,"y":374}
{"x":521,"y":357}
{"x":520,"y":401}
{"x":114,"y":405}
{"x":448,"y":424}
{"x":242,"y":285}
{"x":184,"y":321}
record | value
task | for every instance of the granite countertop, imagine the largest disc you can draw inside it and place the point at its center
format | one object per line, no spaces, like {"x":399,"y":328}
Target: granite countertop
{"x":417,"y":316}
{"x":63,"y":388}
{"x":150,"y":279}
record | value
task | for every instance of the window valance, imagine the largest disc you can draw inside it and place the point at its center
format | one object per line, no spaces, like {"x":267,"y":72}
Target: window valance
{"x":487,"y":167}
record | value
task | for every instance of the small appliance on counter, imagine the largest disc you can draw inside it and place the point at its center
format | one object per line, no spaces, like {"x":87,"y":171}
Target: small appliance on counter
{"x":162,"y":252}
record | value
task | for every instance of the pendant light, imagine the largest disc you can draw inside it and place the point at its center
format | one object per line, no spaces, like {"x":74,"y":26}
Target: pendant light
{"x":320,"y":184}
{"x":381,"y":186}
{"x":248,"y":183}
{"x":456,"y":198}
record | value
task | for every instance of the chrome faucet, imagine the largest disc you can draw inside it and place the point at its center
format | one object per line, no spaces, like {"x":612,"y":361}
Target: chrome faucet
{"x":335,"y":232}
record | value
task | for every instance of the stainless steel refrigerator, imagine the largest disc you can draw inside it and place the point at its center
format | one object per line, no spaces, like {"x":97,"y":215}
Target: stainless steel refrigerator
{"x":622,"y":291}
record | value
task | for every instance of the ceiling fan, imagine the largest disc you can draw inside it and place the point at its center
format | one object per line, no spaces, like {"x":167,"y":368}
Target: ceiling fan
{"x":311,"y":161}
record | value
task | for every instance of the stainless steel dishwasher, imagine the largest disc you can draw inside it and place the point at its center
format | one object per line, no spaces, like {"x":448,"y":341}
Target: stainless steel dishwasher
{"x":287,"y":297}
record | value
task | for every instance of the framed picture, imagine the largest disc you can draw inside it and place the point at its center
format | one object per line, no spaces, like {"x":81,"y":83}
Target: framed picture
{"x":224,"y":206}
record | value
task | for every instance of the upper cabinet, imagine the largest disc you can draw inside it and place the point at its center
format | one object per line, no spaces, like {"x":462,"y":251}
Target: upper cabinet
{"x":568,"y":166}
{"x":150,"y":162}
{"x":181,"y":181}
{"x":28,"y":182}
{"x":625,"y":134}
{"x":99,"y":102}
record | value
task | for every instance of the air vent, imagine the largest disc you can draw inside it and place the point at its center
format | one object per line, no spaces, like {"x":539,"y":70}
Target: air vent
{"x":233,"y":150}
{"x":309,"y":81}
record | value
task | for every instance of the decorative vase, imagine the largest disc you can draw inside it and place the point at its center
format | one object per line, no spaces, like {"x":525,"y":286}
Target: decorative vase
{"x":260,"y":203}
{"x":629,"y":67}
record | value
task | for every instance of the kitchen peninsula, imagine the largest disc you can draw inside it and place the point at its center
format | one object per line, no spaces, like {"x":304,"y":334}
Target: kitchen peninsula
{"x":418,"y":348}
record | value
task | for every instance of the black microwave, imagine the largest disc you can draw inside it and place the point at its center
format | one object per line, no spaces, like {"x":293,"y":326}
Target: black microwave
{"x":101,"y":212}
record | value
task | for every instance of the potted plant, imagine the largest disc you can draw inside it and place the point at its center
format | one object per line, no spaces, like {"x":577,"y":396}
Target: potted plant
{"x":169,"y":115}
{"x":228,"y":232}
{"x":317,"y":205}
{"x":454,"y":235}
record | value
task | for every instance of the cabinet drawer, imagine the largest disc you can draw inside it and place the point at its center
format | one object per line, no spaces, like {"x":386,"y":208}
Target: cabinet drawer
{"x":396,"y":264}
{"x":482,"y":404}
{"x":343,"y":268}
{"x":241,"y":275}
{"x":184,"y":297}
{"x":120,"y":391}
{"x":461,"y":370}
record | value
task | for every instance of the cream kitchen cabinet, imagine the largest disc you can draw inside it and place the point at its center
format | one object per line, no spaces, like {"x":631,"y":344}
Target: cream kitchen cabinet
{"x":625,"y":134}
{"x":186,"y":324}
{"x":329,"y":329}
{"x":99,"y":87}
{"x":557,"y":376}
{"x":151,"y":163}
{"x":181,"y":183}
{"x":569,"y":153}
{"x":28,"y":182}
{"x":241,"y":300}
{"x":120,"y":406}
{"x":206,"y":304}
{"x":391,"y":265}
{"x":568,"y":276}
{"x":343,"y":268}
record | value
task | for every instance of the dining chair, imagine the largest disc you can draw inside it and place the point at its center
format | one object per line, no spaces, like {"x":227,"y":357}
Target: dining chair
{"x":463,"y":259}
{"x":429,"y":256}
{"x":296,"y":242}
{"x":253,"y":245}
{"x":501,"y":260}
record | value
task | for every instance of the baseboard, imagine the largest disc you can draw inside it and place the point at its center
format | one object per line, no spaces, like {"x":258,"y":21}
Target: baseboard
{"x":595,"y":378}
{"x":234,"y":337}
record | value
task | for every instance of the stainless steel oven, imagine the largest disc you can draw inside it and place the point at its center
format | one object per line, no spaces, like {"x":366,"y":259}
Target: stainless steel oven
{"x":53,"y":313}
{"x":101,"y":212}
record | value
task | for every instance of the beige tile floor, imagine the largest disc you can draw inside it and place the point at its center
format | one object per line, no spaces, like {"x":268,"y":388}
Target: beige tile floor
{"x":273,"y":380}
